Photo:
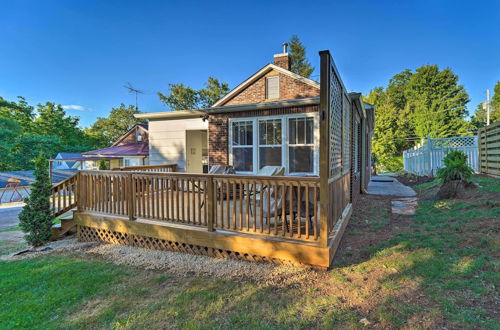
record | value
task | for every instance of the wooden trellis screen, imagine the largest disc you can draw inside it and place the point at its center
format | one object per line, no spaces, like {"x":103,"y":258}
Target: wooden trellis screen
{"x":489,"y":149}
{"x":335,"y":146}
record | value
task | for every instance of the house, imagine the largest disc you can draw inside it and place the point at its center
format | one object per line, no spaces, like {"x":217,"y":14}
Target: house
{"x":67,"y":160}
{"x":270,"y":119}
{"x":318,"y":133}
{"x":131,"y":149}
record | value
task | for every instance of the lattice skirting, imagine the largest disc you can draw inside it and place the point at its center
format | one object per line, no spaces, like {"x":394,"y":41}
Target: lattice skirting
{"x":90,"y":234}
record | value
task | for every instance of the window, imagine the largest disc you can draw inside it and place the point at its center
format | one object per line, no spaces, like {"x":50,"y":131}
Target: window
{"x":287,"y":141}
{"x":242,"y":146}
{"x":269,"y":142}
{"x":301,"y":145}
{"x":272,"y":87}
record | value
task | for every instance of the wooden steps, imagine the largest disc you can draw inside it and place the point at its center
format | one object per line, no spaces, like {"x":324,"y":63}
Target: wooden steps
{"x":66,"y":226}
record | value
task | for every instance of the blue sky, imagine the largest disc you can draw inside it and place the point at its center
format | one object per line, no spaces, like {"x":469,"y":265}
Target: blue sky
{"x":81,"y":53}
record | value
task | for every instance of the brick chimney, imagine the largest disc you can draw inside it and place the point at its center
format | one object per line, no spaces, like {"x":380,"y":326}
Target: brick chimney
{"x":283,"y":60}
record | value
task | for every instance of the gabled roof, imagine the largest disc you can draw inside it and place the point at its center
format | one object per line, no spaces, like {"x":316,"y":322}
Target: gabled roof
{"x":130,"y":149}
{"x":258,"y":75}
{"x":144,"y":127}
{"x":66,"y":155}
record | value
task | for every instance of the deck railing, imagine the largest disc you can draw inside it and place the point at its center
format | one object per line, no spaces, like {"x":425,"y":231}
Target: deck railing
{"x":287,"y":207}
{"x":63,"y":196}
{"x":164,"y":168}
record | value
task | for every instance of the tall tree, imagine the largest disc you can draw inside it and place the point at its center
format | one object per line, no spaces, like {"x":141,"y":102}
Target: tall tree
{"x":437,"y":103}
{"x":414,"y":105}
{"x":10,"y":130}
{"x":106,"y":130}
{"x":52,"y":120}
{"x":181,"y":97}
{"x":298,"y":60}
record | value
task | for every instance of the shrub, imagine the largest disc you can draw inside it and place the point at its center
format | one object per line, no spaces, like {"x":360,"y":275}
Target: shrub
{"x":390,"y":164}
{"x":36,"y":218}
{"x":103,"y":165}
{"x":455,"y":167}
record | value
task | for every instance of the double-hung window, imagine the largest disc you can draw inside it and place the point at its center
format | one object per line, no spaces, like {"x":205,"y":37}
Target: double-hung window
{"x":242,"y":145}
{"x":269,"y":142}
{"x":301,"y":145}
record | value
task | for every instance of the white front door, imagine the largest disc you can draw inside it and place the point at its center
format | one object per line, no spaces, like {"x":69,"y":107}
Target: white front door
{"x":196,"y":142}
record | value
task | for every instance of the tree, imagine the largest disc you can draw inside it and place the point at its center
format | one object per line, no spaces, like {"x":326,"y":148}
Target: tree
{"x":480,"y":116}
{"x":181,"y":97}
{"x":105,"y":131}
{"x":29,"y":146}
{"x":414,"y":105}
{"x":298,"y":61}
{"x":9,"y":132}
{"x":437,"y":103}
{"x":52,"y":120}
{"x":36,"y":218}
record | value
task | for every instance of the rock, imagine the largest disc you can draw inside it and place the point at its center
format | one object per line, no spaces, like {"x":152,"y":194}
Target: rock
{"x":364,"y":321}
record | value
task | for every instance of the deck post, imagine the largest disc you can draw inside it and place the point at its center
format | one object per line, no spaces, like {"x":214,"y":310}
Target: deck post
{"x":131,"y":196}
{"x":324,"y":137}
{"x":78,"y":192}
{"x":210,"y":203}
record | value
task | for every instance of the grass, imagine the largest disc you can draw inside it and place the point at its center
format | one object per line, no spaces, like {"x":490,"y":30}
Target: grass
{"x":439,"y":270}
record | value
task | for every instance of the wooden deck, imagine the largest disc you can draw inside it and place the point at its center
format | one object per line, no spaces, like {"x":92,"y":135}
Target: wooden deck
{"x":253,"y":218}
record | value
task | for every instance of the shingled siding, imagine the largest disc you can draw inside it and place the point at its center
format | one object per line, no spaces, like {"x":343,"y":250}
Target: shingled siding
{"x":218,"y":129}
{"x":290,"y":88}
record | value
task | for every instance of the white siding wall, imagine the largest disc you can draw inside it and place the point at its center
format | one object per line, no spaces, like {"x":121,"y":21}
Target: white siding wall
{"x":167,"y":140}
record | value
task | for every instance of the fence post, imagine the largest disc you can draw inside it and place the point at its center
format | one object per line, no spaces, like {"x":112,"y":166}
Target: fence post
{"x":131,"y":196}
{"x":210,"y":203}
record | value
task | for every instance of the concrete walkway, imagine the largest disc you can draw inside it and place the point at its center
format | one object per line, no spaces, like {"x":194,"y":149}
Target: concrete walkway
{"x":8,"y":217}
{"x":384,"y":185}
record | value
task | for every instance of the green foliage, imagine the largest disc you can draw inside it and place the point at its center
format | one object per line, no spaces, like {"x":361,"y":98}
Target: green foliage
{"x":415,"y":105}
{"x":36,"y":217}
{"x":390,"y":164}
{"x":29,"y":146}
{"x":479,"y":119}
{"x":181,"y":97}
{"x":298,"y":60}
{"x":26,"y":131}
{"x":103,"y":165}
{"x":105,"y":131}
{"x":455,"y":167}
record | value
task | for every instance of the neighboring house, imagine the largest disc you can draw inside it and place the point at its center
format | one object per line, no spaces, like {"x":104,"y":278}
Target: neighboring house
{"x":131,"y":149}
{"x":66,"y":161}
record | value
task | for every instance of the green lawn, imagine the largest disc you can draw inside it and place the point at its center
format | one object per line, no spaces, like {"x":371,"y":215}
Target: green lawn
{"x":437,"y":269}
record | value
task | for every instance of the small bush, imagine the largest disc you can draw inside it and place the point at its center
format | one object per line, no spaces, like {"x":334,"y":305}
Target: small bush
{"x":36,"y":217}
{"x":390,"y":164}
{"x":455,"y":167}
{"x":103,"y":165}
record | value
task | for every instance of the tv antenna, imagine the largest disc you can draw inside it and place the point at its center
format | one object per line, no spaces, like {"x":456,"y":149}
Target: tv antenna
{"x":131,"y":89}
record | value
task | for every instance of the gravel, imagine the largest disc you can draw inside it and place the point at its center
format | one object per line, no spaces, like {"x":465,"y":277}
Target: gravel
{"x":178,"y":263}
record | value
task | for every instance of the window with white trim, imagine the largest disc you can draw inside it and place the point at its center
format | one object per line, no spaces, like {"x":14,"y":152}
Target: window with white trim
{"x":272,"y":87}
{"x":242,"y":145}
{"x":301,"y":145}
{"x":270,"y":142}
{"x":289,"y":141}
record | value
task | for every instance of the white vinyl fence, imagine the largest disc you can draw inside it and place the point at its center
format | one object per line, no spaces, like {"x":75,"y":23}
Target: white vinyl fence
{"x":427,"y":157}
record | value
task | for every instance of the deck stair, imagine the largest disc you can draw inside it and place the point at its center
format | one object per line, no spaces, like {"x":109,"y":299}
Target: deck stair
{"x":67,"y":226}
